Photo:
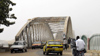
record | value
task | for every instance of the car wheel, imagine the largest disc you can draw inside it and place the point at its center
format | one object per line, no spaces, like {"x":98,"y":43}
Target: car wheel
{"x":15,"y":51}
{"x":41,"y":47}
{"x":11,"y":51}
{"x":22,"y":50}
{"x":32,"y":47}
{"x":57,"y":53}
{"x":60,"y":53}
{"x":43,"y":52}
{"x":47,"y":53}
{"x":25,"y":50}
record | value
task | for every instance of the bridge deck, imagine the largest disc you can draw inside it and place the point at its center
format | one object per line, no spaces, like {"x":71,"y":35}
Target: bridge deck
{"x":38,"y":52}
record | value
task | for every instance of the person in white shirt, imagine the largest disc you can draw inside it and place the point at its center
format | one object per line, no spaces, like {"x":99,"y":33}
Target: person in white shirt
{"x":65,"y":43}
{"x":80,"y":44}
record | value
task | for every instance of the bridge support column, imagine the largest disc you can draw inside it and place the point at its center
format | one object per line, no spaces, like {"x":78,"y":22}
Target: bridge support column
{"x":38,"y":31}
{"x":41,"y":33}
{"x":27,"y":36}
{"x":44,"y":32}
{"x":33,"y":32}
{"x":30,"y":35}
{"x":16,"y":38}
{"x":23,"y":35}
{"x":68,"y":28}
{"x":36,"y":38}
{"x":20,"y":37}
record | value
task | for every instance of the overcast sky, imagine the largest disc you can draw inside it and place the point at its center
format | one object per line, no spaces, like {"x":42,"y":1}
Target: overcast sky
{"x":85,"y":15}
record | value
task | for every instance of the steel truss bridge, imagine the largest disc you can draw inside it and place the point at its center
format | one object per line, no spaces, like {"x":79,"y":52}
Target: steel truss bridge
{"x":45,"y":28}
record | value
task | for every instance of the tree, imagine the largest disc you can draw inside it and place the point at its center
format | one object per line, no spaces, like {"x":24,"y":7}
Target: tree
{"x":4,"y":13}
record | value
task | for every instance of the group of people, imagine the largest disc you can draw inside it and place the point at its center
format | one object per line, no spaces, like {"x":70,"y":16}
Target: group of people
{"x":66,"y":43}
{"x":77,"y":45}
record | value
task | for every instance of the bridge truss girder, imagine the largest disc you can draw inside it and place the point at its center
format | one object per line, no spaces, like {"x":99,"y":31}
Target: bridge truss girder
{"x":43,"y":28}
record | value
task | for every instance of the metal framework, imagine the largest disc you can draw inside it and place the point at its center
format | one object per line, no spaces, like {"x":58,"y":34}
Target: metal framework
{"x":84,"y":38}
{"x":45,"y":28}
{"x":94,"y":42}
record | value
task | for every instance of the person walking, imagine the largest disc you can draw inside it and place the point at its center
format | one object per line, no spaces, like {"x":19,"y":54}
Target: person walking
{"x":65,"y":43}
{"x":80,"y":45}
{"x":69,"y":40}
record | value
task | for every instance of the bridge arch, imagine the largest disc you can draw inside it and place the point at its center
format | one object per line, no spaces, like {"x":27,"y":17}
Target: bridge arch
{"x":68,"y":28}
{"x":43,"y":28}
{"x":94,"y":42}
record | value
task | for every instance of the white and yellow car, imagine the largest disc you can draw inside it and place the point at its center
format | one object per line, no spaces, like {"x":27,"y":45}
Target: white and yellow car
{"x":53,"y":46}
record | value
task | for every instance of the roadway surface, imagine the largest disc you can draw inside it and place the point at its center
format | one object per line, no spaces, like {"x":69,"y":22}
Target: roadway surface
{"x":34,"y":52}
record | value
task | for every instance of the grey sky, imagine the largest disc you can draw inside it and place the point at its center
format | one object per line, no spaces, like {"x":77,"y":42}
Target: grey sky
{"x":84,"y":14}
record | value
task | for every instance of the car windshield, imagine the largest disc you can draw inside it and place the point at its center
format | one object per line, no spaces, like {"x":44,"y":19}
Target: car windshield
{"x":43,"y":42}
{"x":37,"y":43}
{"x":18,"y":43}
{"x":54,"y":42}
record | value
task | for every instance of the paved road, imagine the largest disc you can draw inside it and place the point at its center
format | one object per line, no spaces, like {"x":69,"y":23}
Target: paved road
{"x":34,"y":52}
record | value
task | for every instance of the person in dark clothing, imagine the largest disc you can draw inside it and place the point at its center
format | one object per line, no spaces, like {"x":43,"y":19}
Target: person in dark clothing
{"x":73,"y":47}
{"x":69,"y":40}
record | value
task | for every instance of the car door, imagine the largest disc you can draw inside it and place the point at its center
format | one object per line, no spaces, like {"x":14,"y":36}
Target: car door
{"x":24,"y":44}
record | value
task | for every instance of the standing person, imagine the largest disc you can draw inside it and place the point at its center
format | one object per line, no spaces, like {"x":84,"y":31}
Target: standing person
{"x":65,"y":43}
{"x":69,"y":40}
{"x":73,"y":47}
{"x":80,"y":44}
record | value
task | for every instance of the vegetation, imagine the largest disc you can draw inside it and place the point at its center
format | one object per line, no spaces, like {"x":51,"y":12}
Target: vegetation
{"x":4,"y":13}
